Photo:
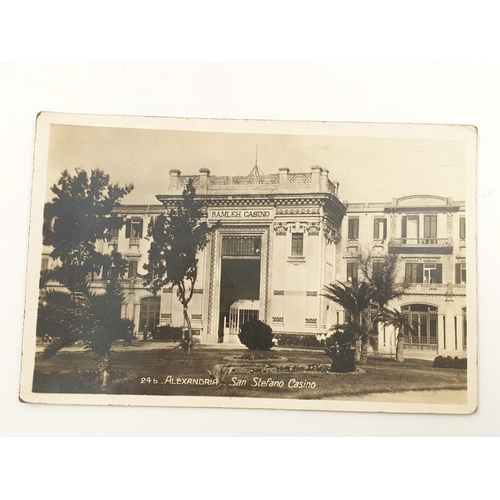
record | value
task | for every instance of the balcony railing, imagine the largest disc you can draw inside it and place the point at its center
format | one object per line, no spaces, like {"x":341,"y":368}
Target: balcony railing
{"x":437,"y":289}
{"x":427,"y":288}
{"x":421,"y":241}
{"x":421,"y":245}
{"x":134,"y":242}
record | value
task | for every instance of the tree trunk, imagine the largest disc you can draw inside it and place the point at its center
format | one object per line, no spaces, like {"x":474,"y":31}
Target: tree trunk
{"x":374,"y":344}
{"x":187,"y":337}
{"x":364,"y":351}
{"x":357,"y":354}
{"x":103,"y":367}
{"x":400,"y":349}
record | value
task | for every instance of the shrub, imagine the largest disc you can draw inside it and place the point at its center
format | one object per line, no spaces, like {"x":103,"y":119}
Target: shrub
{"x":449,"y":362}
{"x":339,"y":347}
{"x":256,"y":335}
{"x":220,"y":373}
{"x":168,"y":333}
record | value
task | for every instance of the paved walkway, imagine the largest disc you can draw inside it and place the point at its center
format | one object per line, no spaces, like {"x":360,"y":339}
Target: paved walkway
{"x":150,"y":346}
{"x":138,"y":345}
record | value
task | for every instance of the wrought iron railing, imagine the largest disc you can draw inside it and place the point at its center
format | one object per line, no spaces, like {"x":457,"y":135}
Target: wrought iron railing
{"x":397,"y":242}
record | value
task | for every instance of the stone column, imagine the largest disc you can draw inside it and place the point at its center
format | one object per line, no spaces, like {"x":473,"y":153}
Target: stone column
{"x":283,"y":175}
{"x":316,"y":174}
{"x":174,"y":180}
{"x":204,"y":173}
{"x":324,"y":179}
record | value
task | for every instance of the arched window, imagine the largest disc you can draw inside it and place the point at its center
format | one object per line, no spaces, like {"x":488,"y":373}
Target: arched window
{"x":423,"y":319}
{"x":150,"y":314}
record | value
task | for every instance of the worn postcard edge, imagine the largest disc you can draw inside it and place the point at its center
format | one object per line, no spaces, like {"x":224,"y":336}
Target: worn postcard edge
{"x":468,"y":133}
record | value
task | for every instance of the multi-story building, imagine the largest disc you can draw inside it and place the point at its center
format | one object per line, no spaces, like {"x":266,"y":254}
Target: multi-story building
{"x":429,"y":235}
{"x":282,"y":238}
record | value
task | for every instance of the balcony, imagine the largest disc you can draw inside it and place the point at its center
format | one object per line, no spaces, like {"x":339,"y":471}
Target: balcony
{"x":441,"y":246}
{"x":447,"y":289}
{"x":380,"y":244}
{"x":134,"y":244}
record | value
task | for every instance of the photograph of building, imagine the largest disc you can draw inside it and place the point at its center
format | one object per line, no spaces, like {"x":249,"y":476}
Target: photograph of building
{"x":347,"y":251}
{"x":283,"y":237}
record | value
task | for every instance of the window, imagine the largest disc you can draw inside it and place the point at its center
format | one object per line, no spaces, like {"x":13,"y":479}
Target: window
{"x":410,"y":228}
{"x":352,"y":270}
{"x":460,"y":273}
{"x":423,"y":319}
{"x":45,"y":263}
{"x":132,"y":269}
{"x":113,"y":232}
{"x":414,"y":273}
{"x":297,"y":244}
{"x":378,"y":269}
{"x":430,"y":227}
{"x":133,"y":228}
{"x":353,"y":228}
{"x":380,"y":229}
{"x":149,"y":314}
{"x":241,"y":245}
{"x":462,"y":228}
{"x":424,"y":273}
{"x":433,"y":273}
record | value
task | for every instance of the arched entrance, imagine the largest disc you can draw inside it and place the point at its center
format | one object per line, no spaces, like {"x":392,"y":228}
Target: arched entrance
{"x":424,"y":320}
{"x":149,"y":316}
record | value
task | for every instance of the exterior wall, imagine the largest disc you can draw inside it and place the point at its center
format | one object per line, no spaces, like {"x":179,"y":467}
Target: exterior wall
{"x":447,"y":249}
{"x":291,"y":286}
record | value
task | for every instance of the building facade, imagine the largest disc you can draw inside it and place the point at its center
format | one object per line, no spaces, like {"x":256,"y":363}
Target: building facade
{"x":282,"y":238}
{"x":429,"y":235}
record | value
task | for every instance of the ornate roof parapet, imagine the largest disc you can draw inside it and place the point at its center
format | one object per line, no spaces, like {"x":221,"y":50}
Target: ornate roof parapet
{"x":284,"y":182}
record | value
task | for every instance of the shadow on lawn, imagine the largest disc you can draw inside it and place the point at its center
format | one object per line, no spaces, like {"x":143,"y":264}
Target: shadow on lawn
{"x":74,"y":372}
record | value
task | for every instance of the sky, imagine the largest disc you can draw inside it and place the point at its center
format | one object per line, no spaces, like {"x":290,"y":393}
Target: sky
{"x":368,"y":168}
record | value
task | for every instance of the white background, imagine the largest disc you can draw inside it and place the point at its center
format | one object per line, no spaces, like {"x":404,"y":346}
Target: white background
{"x":370,"y":92}
{"x":212,"y":31}
{"x":428,"y":93}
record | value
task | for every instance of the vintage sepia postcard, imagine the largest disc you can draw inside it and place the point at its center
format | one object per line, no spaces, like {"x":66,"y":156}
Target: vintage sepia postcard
{"x":252,"y":264}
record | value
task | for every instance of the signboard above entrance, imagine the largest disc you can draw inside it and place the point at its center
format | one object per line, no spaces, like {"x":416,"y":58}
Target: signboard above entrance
{"x":261,"y":213}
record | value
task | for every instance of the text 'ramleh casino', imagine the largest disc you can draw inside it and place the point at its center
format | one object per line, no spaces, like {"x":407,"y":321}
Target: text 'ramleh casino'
{"x":282,"y":238}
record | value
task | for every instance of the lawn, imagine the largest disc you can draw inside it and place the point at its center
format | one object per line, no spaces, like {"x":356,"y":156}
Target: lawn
{"x":169,"y":372}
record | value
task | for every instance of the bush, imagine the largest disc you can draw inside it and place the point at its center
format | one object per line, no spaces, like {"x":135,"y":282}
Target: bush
{"x":339,"y":347}
{"x":168,"y":333}
{"x":221,"y":373}
{"x":297,"y":340}
{"x":449,"y":362}
{"x":256,"y":335}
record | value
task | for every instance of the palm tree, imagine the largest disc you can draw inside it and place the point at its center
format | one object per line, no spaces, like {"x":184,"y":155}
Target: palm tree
{"x":87,"y":317}
{"x":399,"y":321}
{"x":355,"y":297}
{"x":382,"y":272}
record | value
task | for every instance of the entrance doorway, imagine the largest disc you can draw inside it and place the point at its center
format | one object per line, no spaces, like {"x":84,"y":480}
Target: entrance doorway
{"x":240,"y":276}
{"x":149,"y":315}
{"x":423,"y":319}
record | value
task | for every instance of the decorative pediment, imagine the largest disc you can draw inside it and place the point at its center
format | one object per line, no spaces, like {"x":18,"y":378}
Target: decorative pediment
{"x":422,"y":201}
